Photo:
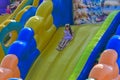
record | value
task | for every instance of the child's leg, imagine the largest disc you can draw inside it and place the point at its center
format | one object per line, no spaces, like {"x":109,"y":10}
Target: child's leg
{"x":65,"y":43}
{"x":62,"y":43}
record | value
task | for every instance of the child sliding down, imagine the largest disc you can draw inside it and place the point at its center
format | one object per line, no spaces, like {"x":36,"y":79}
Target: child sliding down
{"x":68,"y":35}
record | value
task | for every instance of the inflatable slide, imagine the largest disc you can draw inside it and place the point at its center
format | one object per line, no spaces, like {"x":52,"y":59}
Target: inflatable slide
{"x":35,"y":47}
{"x":13,"y":26}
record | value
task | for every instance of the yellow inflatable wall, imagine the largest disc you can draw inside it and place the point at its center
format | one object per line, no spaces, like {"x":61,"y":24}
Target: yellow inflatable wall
{"x":42,"y":24}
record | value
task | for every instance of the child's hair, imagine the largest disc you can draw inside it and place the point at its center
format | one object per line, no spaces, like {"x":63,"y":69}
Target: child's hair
{"x":68,"y":25}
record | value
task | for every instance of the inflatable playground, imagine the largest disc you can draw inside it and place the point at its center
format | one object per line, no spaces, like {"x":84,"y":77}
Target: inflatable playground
{"x":30,"y":34}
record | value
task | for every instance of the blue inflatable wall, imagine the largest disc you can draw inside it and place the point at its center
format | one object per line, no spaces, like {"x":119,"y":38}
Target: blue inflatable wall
{"x":114,"y":43}
{"x":62,"y":12}
{"x":25,"y":49}
{"x":40,"y":2}
{"x":29,"y":13}
{"x":100,"y":47}
{"x":3,"y":5}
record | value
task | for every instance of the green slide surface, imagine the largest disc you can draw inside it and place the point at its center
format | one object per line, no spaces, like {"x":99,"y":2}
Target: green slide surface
{"x":59,"y":65}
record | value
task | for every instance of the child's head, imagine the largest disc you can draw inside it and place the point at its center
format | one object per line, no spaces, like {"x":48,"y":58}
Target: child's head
{"x":67,"y":26}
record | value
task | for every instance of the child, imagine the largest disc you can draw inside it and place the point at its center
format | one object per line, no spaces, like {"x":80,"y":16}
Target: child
{"x":68,"y":35}
{"x":8,"y":10}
